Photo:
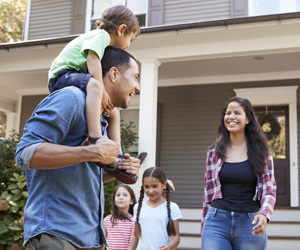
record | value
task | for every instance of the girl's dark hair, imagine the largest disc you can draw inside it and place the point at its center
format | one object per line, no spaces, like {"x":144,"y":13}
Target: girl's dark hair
{"x":159,"y":174}
{"x":257,"y":146}
{"x":116,"y":214}
{"x":113,"y":17}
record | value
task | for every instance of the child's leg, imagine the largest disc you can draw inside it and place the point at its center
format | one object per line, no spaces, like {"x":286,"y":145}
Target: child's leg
{"x":69,"y":77}
{"x":94,"y":90}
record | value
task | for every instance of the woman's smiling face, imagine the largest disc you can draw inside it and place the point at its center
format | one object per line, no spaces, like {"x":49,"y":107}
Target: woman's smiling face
{"x":235,"y":118}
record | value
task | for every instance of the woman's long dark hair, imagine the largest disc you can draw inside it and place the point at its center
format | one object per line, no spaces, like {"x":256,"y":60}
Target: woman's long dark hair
{"x":115,"y":212}
{"x":257,"y":146}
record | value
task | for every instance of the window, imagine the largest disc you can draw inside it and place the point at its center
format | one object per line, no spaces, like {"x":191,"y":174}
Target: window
{"x":2,"y":125}
{"x":267,"y":7}
{"x":96,"y":8}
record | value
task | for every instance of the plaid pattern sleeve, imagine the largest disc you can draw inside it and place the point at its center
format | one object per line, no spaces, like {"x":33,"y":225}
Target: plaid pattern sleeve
{"x":205,"y":204}
{"x":212,"y":185}
{"x":267,"y":190}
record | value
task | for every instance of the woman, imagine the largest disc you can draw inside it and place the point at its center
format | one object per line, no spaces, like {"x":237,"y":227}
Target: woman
{"x":239,"y":189}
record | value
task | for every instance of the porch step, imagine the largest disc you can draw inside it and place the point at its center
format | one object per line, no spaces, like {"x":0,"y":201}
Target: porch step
{"x":286,"y":214}
{"x":189,"y":241}
{"x":283,"y":230}
{"x":286,"y":243}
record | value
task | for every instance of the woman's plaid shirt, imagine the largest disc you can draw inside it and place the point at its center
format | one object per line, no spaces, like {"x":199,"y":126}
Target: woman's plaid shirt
{"x":265,"y":189}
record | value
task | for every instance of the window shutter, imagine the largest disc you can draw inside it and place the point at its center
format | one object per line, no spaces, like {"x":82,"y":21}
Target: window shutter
{"x":155,"y":12}
{"x":239,"y":8}
{"x":78,"y":16}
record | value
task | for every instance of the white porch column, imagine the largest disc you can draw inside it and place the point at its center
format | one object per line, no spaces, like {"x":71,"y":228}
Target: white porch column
{"x":11,"y":123}
{"x":147,"y":115}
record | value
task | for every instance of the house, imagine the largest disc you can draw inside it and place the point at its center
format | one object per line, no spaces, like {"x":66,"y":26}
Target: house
{"x":194,"y":55}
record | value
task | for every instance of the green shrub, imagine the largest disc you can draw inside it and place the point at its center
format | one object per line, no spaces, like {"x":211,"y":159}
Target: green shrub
{"x":8,"y":165}
{"x":128,"y":137}
{"x":13,"y":196}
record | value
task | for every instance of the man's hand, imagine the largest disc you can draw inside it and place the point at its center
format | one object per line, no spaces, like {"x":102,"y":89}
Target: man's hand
{"x":261,"y":226}
{"x":107,"y":150}
{"x":130,"y":164}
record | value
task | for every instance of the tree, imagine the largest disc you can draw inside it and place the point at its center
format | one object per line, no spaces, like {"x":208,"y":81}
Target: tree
{"x":11,"y":20}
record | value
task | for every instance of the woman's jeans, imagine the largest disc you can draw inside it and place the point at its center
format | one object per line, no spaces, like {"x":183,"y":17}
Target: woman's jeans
{"x":226,"y":230}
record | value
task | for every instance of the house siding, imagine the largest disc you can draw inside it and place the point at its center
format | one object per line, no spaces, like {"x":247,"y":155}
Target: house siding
{"x":189,"y":119}
{"x":50,"y":18}
{"x":298,"y":124}
{"x":180,"y":11}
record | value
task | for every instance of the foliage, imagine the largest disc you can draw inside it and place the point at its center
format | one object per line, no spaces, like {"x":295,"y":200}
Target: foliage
{"x":128,"y":138}
{"x":12,"y":18}
{"x":7,"y":161}
{"x":13,"y":196}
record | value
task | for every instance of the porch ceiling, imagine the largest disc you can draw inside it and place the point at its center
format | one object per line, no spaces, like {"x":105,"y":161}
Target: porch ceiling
{"x":228,"y":53}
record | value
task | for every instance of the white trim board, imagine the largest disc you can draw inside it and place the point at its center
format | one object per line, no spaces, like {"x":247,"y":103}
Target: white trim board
{"x":278,"y":96}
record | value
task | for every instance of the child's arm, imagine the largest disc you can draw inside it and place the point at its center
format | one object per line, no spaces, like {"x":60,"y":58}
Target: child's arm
{"x":96,"y":95}
{"x":113,"y":129}
{"x":134,"y":243}
{"x":95,"y":69}
{"x":175,"y":239}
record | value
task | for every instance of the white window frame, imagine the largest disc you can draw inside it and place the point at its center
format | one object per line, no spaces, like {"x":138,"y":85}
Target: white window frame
{"x":286,"y":95}
{"x":89,"y":11}
{"x":285,"y":6}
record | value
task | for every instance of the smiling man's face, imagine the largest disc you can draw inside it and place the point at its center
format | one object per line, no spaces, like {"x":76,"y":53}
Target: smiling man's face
{"x":126,"y":86}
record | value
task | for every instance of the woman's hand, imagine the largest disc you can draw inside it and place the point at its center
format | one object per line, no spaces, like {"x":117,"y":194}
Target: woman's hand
{"x":261,"y":226}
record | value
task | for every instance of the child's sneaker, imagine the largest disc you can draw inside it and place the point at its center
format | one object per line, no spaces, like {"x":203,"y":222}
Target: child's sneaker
{"x":112,"y":169}
{"x":121,"y":174}
{"x":106,"y":167}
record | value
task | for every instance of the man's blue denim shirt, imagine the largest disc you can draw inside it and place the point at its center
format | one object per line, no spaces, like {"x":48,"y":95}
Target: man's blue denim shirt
{"x":66,"y":202}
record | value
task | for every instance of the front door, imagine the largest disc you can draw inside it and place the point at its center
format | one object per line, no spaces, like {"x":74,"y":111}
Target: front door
{"x":274,"y":122}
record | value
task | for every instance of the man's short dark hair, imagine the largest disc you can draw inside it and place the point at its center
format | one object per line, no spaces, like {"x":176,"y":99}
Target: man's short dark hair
{"x":115,"y":57}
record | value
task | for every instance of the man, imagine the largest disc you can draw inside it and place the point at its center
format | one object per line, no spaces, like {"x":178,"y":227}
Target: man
{"x":65,"y":204}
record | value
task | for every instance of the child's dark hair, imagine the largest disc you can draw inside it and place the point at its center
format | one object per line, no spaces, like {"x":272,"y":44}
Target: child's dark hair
{"x":159,"y":174}
{"x":116,"y":214}
{"x":113,"y":17}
